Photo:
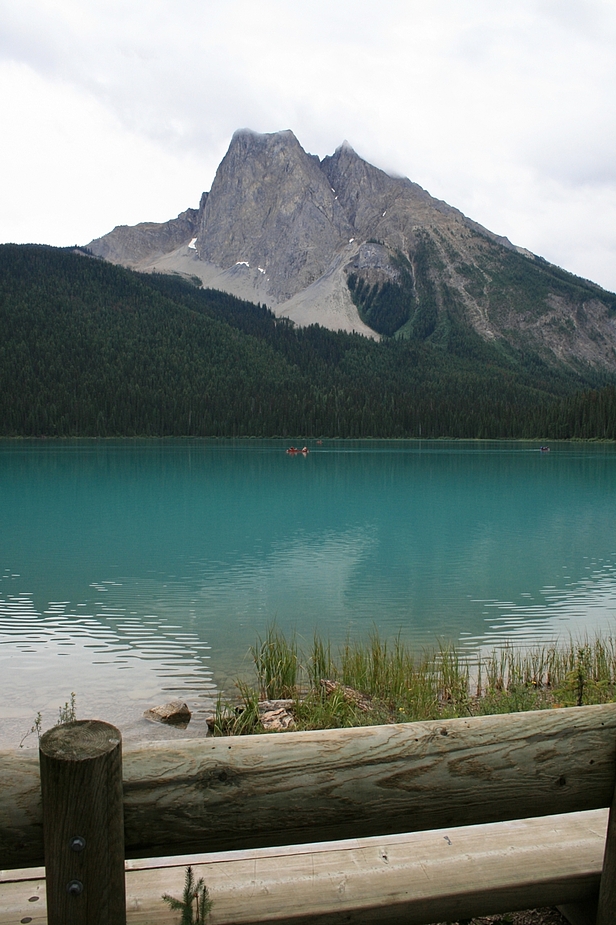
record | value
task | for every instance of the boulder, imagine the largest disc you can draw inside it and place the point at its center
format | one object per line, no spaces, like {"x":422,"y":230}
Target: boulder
{"x":174,"y":713}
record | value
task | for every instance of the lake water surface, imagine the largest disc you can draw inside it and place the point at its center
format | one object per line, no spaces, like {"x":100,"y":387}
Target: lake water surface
{"x":133,"y":572}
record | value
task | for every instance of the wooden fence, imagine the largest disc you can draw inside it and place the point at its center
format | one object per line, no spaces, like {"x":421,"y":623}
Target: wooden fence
{"x":431,"y":821}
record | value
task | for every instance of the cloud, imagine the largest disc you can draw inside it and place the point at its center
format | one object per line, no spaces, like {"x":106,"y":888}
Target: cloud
{"x":502,"y":109}
{"x":71,"y":170}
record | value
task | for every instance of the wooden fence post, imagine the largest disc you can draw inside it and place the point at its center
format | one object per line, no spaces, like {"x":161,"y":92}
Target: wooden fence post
{"x":606,"y":910}
{"x":83,"y":824}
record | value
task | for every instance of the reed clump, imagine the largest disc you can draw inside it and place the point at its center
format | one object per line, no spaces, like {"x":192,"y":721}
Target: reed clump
{"x":277,"y":664}
{"x":383,"y":681}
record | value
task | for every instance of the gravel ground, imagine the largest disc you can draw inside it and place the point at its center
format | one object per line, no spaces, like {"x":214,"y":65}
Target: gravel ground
{"x":530,"y":917}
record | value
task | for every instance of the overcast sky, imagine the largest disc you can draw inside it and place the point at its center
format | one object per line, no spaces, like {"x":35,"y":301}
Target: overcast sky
{"x":119,"y":111}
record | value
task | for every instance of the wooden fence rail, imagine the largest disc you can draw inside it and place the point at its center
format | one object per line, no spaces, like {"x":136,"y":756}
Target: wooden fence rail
{"x":221,"y":794}
{"x":441,"y":875}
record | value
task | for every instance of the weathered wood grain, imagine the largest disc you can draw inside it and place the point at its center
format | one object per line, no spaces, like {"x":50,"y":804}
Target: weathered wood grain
{"x":23,"y":900}
{"x":606,"y":910}
{"x":228,"y":793}
{"x":83,"y":825}
{"x":441,"y":875}
{"x":21,"y":810}
{"x":224,"y":793}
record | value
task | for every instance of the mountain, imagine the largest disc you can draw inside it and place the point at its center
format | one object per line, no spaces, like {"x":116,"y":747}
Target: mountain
{"x":149,"y":240}
{"x":90,"y":349}
{"x":340,"y":243}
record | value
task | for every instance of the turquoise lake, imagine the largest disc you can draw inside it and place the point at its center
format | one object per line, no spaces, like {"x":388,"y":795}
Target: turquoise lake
{"x":134,"y":572}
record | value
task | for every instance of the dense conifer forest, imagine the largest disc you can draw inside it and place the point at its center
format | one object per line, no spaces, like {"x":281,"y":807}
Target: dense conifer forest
{"x":90,"y":349}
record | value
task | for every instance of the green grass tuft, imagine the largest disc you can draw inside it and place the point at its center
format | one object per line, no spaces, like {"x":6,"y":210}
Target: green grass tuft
{"x":384,"y":681}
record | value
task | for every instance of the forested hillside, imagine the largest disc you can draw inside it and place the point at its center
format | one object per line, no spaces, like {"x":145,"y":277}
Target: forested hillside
{"x":92,"y":349}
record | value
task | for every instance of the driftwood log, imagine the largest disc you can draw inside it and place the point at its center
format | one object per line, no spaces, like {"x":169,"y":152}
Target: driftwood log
{"x":224,"y":793}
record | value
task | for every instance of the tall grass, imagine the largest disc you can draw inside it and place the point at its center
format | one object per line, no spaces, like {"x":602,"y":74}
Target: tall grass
{"x":277,"y":664}
{"x":384,"y":681}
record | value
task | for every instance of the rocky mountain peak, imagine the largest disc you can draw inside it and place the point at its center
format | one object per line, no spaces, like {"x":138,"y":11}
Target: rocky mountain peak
{"x":344,"y":150}
{"x":364,"y":191}
{"x":273,"y":148}
{"x":271,"y":208}
{"x":341,"y":243}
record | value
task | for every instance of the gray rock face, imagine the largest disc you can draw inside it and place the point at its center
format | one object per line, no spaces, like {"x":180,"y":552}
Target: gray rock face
{"x":372,"y":256}
{"x":340,"y":243}
{"x":373,"y":263}
{"x":287,"y":217}
{"x":368,"y":195}
{"x":271,"y":207}
{"x":386,"y":208}
{"x":129,"y":245}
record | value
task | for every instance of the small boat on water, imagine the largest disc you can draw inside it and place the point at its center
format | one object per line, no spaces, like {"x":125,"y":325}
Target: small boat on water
{"x":293,"y":451}
{"x":544,"y":449}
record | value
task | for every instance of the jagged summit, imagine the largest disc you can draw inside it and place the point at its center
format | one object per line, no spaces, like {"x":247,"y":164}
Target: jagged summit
{"x":271,"y":210}
{"x":245,"y":140}
{"x":341,"y":243}
{"x":345,"y":148}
